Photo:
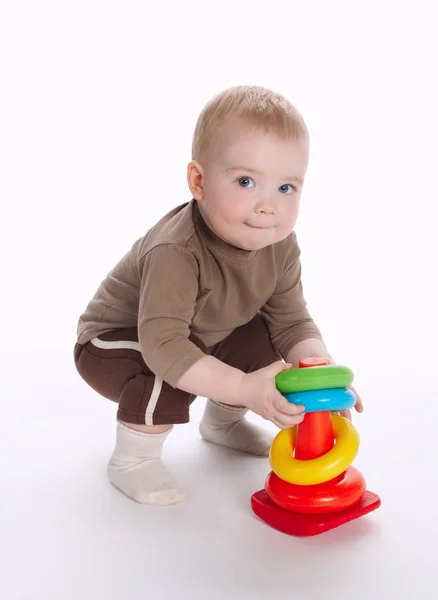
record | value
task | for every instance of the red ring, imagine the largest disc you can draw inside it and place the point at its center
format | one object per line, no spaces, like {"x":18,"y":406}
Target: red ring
{"x":312,"y":361}
{"x":330,"y":496}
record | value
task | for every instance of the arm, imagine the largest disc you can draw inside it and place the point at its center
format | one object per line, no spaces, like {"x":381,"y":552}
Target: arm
{"x":168,"y":295}
{"x":167,"y":305}
{"x":211,"y":378}
{"x":291,"y":327}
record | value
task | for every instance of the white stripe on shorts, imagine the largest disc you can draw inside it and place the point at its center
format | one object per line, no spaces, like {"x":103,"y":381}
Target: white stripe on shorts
{"x":115,"y":345}
{"x":158,"y":383}
{"x":149,"y":415}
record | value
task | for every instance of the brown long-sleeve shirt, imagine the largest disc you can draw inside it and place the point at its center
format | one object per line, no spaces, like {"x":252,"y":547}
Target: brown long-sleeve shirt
{"x":181,"y":278}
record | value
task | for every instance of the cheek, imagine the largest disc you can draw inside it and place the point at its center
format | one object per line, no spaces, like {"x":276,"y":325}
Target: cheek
{"x":232,"y":208}
{"x":213,"y":185}
{"x":288,"y":218}
{"x":230,"y":212}
{"x":226,"y":205}
{"x":291,"y":209}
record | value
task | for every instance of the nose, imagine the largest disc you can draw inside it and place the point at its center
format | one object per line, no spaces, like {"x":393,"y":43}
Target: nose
{"x":265,"y":207}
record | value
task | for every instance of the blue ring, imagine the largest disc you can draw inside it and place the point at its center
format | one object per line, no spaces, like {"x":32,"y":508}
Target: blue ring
{"x":331,"y":399}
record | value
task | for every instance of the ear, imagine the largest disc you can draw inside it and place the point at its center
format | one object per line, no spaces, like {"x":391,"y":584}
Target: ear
{"x":195,"y":176}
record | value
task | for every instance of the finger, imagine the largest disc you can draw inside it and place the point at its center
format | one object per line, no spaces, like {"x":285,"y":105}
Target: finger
{"x":288,"y":408}
{"x":284,"y":422}
{"x":346,"y":414}
{"x":280,"y":366}
{"x":286,"y":366}
{"x":277,"y":367}
{"x":359,"y":404}
{"x":277,"y":423}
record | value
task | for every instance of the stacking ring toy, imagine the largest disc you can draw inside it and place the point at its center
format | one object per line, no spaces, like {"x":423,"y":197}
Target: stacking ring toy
{"x":316,"y":470}
{"x":322,"y":498}
{"x":312,"y":486}
{"x":316,"y":378}
{"x":316,"y":400}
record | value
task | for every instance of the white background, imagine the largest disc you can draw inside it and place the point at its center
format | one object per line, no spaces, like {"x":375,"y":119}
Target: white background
{"x":98,"y":105}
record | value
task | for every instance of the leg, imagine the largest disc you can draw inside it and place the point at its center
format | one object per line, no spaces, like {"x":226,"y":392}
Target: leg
{"x":148,"y":407}
{"x":248,"y":348}
{"x":113,"y":366}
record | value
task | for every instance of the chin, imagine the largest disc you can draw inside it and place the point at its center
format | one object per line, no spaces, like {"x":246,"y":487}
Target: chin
{"x":262,"y":243}
{"x":255,"y":246}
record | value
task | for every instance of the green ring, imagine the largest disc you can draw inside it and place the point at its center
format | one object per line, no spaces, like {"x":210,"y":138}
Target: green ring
{"x":314,"y":378}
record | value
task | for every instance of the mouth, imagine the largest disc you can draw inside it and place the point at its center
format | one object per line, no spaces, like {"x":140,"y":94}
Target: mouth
{"x":258,"y":226}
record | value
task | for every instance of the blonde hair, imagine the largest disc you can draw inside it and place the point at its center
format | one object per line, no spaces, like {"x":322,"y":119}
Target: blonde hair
{"x":255,"y":106}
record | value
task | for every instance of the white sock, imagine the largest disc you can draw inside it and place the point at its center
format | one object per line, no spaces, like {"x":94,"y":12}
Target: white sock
{"x":225,"y":425}
{"x":135,"y":467}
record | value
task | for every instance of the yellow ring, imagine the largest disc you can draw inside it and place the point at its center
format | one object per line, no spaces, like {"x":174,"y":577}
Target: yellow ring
{"x":316,"y":470}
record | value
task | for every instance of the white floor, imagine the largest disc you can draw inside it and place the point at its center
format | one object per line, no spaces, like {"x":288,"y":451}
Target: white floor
{"x":66,"y":533}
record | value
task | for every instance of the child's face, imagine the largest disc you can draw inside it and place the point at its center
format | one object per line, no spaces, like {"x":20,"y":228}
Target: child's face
{"x":250,"y":186}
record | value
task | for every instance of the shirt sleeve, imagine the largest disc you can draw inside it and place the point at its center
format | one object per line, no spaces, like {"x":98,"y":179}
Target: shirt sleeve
{"x":168,"y":292}
{"x":286,"y":314}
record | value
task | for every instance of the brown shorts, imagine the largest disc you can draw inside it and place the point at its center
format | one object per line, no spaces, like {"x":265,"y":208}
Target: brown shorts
{"x":113,"y":366}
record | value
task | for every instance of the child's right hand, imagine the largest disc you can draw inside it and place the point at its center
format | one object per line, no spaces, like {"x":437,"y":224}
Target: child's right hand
{"x":258,"y":392}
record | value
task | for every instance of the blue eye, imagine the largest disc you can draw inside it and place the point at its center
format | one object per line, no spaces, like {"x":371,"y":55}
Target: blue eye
{"x":284,"y":188}
{"x":245,"y":182}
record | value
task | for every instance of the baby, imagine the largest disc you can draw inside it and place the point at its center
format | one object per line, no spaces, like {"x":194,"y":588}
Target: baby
{"x":209,"y":302}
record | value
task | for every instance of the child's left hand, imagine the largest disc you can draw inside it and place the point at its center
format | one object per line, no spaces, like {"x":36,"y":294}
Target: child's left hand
{"x":315,"y":350}
{"x":358,"y":406}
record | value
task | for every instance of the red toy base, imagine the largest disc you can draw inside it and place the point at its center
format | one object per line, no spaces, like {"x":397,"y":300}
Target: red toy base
{"x":300,"y":524}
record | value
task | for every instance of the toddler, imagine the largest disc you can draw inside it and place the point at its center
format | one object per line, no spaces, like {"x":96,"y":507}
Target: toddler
{"x":209,"y":302}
